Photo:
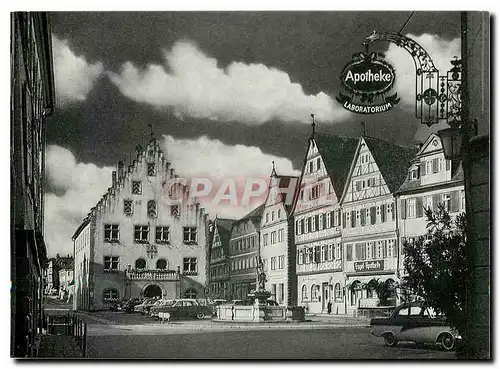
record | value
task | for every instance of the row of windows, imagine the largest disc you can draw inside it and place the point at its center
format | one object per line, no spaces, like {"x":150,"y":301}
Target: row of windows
{"x":281,"y":237}
{"x":315,"y":191}
{"x":414,"y":207}
{"x":271,"y":218}
{"x":112,"y":264}
{"x":366,"y":183}
{"x":318,"y":222}
{"x":152,"y":208}
{"x":112,"y":295}
{"x":244,"y":243}
{"x":370,"y":250}
{"x":277,"y":262}
{"x":217,"y":253}
{"x":319,"y":254}
{"x":366,"y":216}
{"x":141,"y":233}
{"x":338,"y":293}
{"x":244,"y":263}
{"x":219,"y":270}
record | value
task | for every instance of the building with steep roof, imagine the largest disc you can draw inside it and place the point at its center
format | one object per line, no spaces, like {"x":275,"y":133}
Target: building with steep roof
{"x":277,"y":249}
{"x":219,"y":277}
{"x":430,"y":180}
{"x":317,"y":217}
{"x":146,"y":237}
{"x":369,"y":219}
{"x":244,"y":253}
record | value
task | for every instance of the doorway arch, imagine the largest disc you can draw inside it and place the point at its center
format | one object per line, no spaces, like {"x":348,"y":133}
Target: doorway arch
{"x":152,"y":291}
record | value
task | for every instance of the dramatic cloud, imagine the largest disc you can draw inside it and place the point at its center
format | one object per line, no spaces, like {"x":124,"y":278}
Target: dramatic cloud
{"x":81,"y":185}
{"x":192,"y":84}
{"x":74,"y":76}
{"x":440,"y":50}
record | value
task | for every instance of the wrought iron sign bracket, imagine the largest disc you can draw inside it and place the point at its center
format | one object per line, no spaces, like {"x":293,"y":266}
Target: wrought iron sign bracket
{"x":437,"y":97}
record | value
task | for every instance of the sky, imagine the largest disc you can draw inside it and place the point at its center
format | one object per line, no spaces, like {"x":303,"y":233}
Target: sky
{"x":225,"y":92}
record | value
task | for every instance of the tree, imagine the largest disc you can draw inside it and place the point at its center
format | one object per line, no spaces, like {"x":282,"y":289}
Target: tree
{"x":436,"y":266}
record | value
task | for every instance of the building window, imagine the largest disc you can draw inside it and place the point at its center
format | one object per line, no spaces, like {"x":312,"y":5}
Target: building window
{"x":162,"y":234}
{"x":301,"y":256}
{"x":324,"y":253}
{"x":174,"y":210}
{"x":281,"y":292}
{"x":127,"y":207}
{"x":379,"y":250}
{"x":369,"y":250}
{"x":338,"y":293}
{"x":152,"y":251}
{"x":162,"y":264}
{"x":281,"y":235}
{"x":111,"y":295}
{"x":136,"y":187}
{"x":111,"y":263}
{"x":273,"y":237}
{"x":266,"y":239}
{"x":390,"y":249}
{"x":310,"y":167}
{"x":272,"y":216}
{"x":304,"y":293}
{"x":273,"y":263}
{"x":447,"y":201}
{"x":279,"y":213}
{"x":428,"y":202}
{"x":190,"y":234}
{"x":281,"y":261}
{"x":141,"y":234}
{"x":190,"y":293}
{"x":140,"y":264}
{"x":330,"y":252}
{"x":411,"y":207}
{"x":390,"y":211}
{"x":267,"y":217}
{"x":189,"y":265}
{"x":111,"y":232}
{"x":152,"y":211}
{"x":462,"y":200}
{"x":314,"y":292}
{"x":308,"y":255}
{"x":151,"y":169}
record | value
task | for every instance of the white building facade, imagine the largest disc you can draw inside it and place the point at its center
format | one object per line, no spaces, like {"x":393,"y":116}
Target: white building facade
{"x":317,"y":220}
{"x":146,"y":237}
{"x":277,"y":249}
{"x":431,"y":180}
{"x":369,"y":220}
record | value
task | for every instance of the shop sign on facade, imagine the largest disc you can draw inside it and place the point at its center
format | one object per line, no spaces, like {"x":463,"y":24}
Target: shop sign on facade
{"x":366,"y":266}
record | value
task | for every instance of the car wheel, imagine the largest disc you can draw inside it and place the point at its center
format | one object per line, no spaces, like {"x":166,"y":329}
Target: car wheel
{"x":200,"y":315}
{"x":447,"y":341}
{"x":390,"y":339}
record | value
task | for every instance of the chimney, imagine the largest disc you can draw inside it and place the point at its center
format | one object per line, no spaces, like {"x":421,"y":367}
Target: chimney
{"x":120,"y":169}
{"x":113,"y":178}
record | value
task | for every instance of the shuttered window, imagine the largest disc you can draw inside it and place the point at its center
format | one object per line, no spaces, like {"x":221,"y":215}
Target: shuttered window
{"x":454,"y":201}
{"x":435,"y":165}
{"x":373,"y":217}
{"x":419,"y":207}
{"x":383,"y":212}
{"x":349,"y":252}
{"x":403,"y":208}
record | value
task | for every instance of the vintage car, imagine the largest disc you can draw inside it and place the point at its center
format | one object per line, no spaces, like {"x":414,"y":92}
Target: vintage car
{"x":144,"y":307}
{"x":415,"y":322}
{"x":183,"y":308}
{"x":153,"y":310}
{"x":129,"y":305}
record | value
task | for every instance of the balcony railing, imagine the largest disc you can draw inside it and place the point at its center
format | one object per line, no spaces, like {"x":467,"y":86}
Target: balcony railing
{"x":151,"y":275}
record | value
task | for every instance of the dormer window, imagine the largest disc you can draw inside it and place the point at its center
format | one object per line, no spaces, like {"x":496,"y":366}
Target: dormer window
{"x":413,"y":173}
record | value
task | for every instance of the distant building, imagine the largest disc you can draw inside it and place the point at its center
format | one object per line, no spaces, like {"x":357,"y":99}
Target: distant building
{"x":219,"y":259}
{"x":66,"y":279}
{"x":317,"y":217}
{"x":32,"y":101}
{"x":53,"y":266}
{"x":277,"y":249}
{"x":431,"y":180}
{"x":244,"y":250}
{"x":139,"y":241}
{"x":369,"y":219}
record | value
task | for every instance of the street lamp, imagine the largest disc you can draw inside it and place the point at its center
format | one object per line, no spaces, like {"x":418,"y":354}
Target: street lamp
{"x":451,"y":139}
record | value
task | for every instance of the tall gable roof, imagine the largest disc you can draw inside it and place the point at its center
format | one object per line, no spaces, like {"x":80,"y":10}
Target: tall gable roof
{"x":224,"y":228}
{"x":285,"y":197}
{"x":393,"y":160}
{"x":337,"y":153}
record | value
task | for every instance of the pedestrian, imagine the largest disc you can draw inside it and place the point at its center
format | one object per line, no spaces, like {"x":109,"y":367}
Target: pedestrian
{"x":329,"y":307}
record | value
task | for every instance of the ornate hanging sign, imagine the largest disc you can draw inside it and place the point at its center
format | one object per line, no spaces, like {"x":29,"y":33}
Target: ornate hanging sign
{"x":368,"y":78}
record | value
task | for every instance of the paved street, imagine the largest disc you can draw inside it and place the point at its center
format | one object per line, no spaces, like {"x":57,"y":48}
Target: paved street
{"x":333,"y":343}
{"x":119,"y":335}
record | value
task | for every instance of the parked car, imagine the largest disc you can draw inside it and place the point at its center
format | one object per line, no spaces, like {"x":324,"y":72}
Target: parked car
{"x":129,"y":305}
{"x":183,"y":308}
{"x":144,"y":307}
{"x":115,"y":306}
{"x":415,"y":322}
{"x":154,"y":310}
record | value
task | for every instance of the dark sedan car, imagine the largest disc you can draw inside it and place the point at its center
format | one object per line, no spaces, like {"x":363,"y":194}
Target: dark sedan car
{"x":183,"y":308}
{"x":129,"y":305}
{"x":417,"y":323}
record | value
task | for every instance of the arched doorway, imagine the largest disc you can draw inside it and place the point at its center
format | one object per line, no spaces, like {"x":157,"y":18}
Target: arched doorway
{"x":152,"y":291}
